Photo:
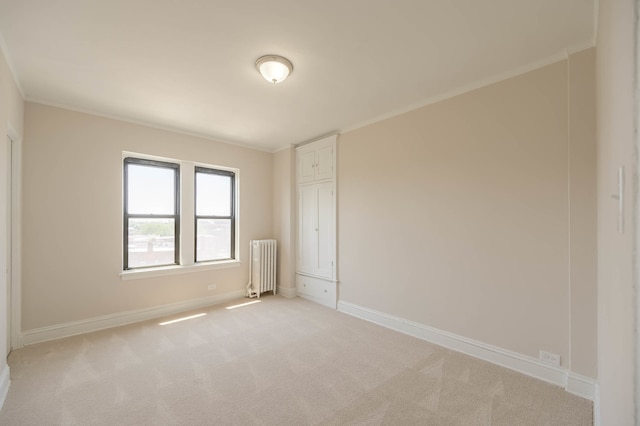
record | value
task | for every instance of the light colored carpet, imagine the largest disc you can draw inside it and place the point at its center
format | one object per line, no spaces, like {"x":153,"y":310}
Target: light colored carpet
{"x":277,"y":362}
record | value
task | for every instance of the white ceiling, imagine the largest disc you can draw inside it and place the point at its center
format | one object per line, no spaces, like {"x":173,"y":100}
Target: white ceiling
{"x":189,"y":65}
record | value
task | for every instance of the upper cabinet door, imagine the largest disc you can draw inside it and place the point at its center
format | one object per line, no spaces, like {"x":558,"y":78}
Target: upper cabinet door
{"x":307,"y":167}
{"x":324,"y":163}
{"x":316,"y":161}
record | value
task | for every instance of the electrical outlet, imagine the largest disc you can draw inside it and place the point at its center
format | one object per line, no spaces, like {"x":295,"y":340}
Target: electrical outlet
{"x":211,"y":287}
{"x":548,"y":357}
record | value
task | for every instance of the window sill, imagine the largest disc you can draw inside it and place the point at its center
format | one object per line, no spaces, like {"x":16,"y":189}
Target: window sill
{"x":177,"y":269}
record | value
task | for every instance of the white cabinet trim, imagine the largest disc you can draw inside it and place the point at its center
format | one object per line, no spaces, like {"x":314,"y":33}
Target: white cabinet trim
{"x":316,"y":250}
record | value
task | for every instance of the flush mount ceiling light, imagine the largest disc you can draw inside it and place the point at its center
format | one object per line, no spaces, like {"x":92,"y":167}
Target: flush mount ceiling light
{"x":274,"y":68}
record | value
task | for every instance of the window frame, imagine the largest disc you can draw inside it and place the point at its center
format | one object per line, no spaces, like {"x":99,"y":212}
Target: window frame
{"x":175,"y":167}
{"x":187,"y":215}
{"x":231,"y":216}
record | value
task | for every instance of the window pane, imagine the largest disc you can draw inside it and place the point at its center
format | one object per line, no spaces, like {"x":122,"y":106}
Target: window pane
{"x":151,"y":242}
{"x":213,"y":195}
{"x":151,"y":190}
{"x":213,"y":239}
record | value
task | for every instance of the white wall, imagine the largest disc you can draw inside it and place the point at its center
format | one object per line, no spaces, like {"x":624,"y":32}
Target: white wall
{"x":616,"y":147}
{"x":11,"y":121}
{"x":72,"y":216}
{"x":475,"y":215}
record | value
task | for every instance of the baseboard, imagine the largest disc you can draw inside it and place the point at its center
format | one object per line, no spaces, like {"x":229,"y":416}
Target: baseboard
{"x":287,"y":292}
{"x":596,"y":406}
{"x":574,"y":383}
{"x":122,"y":318}
{"x":581,"y":385}
{"x":5,"y":382}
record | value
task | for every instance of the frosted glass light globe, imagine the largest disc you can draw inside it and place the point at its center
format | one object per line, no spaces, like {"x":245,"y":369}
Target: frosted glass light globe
{"x":274,"y":69}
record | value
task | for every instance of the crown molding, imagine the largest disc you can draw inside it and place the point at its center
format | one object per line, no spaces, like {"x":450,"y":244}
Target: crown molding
{"x":560,"y":56}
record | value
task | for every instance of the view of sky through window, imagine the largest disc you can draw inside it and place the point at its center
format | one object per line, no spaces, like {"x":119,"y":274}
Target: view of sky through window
{"x":150,"y":190}
{"x":213,"y":195}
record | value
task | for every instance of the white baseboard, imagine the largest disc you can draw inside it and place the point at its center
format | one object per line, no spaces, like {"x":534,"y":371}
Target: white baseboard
{"x":596,"y":406}
{"x":122,"y":318}
{"x":287,"y":292}
{"x":581,"y":385}
{"x":574,"y":383}
{"x":5,"y":382}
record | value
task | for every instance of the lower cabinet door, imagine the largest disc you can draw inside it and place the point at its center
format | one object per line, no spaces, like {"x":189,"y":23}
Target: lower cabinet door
{"x":317,"y":290}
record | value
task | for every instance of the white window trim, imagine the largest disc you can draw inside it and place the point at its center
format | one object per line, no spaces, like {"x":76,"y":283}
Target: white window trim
{"x":162,"y":271}
{"x":187,"y":223}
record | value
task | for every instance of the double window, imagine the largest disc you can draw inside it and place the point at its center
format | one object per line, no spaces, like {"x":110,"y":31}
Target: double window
{"x":177,"y":213}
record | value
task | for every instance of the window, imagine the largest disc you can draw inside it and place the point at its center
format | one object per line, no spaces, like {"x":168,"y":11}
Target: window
{"x":151,"y":213}
{"x":177,"y":216}
{"x":214,"y":214}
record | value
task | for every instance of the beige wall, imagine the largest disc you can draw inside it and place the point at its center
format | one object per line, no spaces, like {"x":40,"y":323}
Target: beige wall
{"x":457,"y":215}
{"x":616,"y":147}
{"x":72,"y":208}
{"x":284,"y":216}
{"x":582,"y":212}
{"x":11,"y":122}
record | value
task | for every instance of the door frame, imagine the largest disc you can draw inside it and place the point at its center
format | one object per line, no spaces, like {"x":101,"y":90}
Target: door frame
{"x":635,"y":197}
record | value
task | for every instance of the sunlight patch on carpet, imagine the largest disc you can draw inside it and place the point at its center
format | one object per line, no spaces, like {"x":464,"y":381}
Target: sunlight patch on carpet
{"x":182,"y":319}
{"x":242,"y":304}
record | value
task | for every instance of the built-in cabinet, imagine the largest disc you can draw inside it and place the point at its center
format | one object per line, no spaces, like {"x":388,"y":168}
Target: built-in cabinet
{"x":316,"y":251}
{"x":316,"y":165}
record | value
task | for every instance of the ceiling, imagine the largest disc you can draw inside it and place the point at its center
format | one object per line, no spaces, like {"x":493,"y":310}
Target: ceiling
{"x":190,"y":65}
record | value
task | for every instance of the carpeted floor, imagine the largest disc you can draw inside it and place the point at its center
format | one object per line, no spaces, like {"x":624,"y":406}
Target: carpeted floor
{"x":277,"y":362}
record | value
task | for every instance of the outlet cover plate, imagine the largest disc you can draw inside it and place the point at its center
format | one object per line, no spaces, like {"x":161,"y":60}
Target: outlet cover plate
{"x":550,"y":358}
